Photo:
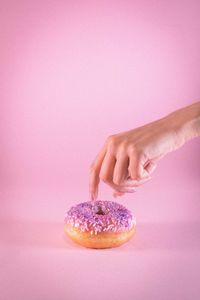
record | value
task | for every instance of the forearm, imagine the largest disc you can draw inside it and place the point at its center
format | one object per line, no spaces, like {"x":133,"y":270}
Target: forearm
{"x":186,"y":122}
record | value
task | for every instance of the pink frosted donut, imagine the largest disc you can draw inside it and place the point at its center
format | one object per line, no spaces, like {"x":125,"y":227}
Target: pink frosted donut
{"x":99,"y":224}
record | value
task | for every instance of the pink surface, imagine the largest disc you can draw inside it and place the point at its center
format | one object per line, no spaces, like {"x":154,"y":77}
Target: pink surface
{"x":72,"y":73}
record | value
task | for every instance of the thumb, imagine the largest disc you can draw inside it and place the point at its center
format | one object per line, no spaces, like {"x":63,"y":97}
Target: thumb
{"x":150,"y":167}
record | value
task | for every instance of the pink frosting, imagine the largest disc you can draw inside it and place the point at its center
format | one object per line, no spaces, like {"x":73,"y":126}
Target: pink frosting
{"x":98,"y":216}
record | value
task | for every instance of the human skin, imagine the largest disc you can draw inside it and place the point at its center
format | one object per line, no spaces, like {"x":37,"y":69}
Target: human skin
{"x":127,"y":159}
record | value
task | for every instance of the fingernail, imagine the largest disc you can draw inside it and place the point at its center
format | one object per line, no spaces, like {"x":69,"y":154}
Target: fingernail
{"x":128,"y":191}
{"x":92,"y":196}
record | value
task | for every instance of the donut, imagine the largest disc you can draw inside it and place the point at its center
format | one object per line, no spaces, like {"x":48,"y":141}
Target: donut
{"x":99,"y":224}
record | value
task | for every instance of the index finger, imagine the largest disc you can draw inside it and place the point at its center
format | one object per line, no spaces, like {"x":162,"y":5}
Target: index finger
{"x":94,"y":173}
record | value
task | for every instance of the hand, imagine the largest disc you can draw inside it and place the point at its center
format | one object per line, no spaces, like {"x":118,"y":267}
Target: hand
{"x":127,"y":159}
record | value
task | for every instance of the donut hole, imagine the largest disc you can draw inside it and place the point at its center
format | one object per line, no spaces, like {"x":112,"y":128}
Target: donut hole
{"x":100,"y":211}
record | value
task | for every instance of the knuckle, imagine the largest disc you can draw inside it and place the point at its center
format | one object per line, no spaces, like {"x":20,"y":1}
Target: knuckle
{"x":116,"y":181}
{"x":103,"y":177}
{"x":133,"y":149}
{"x":111,"y":140}
{"x":123,"y":147}
{"x":93,"y":169}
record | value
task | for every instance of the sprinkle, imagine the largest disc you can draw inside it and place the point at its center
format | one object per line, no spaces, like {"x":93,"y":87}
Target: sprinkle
{"x":100,"y":216}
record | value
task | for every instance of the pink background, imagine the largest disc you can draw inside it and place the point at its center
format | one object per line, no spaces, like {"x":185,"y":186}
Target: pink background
{"x":72,"y":73}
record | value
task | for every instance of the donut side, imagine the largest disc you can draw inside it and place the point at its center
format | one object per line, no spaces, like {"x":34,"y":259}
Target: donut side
{"x":101,"y":240}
